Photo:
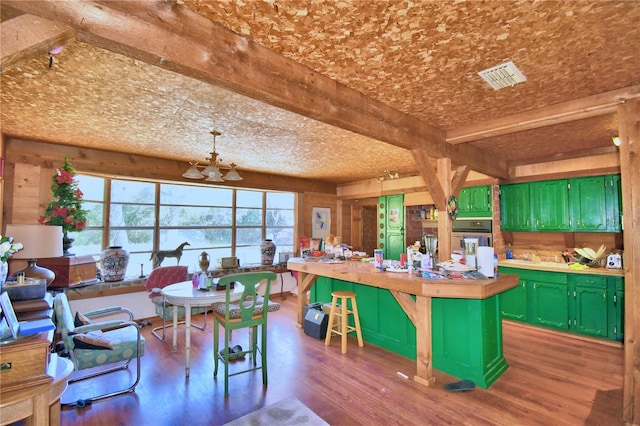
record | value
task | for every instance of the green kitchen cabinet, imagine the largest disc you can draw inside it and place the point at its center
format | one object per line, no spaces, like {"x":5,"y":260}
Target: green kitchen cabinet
{"x":515,"y":207}
{"x":475,"y":201}
{"x":391,"y":226}
{"x":550,"y":205}
{"x":616,"y":308}
{"x":513,"y":302}
{"x":613,"y":201}
{"x":589,"y":304}
{"x":549,"y":302}
{"x":588,"y":204}
{"x":586,"y":304}
{"x":466,"y":333}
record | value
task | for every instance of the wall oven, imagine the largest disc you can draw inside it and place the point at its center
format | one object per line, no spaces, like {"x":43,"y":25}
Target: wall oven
{"x":482,"y":229}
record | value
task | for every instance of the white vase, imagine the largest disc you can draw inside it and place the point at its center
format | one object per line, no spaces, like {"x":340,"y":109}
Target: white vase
{"x":113,"y":263}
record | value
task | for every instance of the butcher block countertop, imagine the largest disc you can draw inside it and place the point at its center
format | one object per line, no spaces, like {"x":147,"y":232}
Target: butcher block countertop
{"x":558,"y":267}
{"x":365,"y":273}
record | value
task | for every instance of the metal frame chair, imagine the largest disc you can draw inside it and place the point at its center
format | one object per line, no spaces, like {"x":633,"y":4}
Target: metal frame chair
{"x":124,"y":337}
{"x":158,"y":279}
{"x":249,"y":312}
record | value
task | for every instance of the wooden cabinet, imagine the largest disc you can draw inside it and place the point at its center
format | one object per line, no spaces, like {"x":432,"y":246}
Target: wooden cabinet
{"x":589,"y":204}
{"x":475,"y":201}
{"x":71,"y":271}
{"x":587,"y":304}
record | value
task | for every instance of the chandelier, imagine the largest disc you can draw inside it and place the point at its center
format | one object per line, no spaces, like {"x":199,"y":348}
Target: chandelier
{"x":212,"y":170}
{"x":388,"y":174}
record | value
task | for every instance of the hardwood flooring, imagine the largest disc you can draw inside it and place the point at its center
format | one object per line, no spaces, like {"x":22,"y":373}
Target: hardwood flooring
{"x":552,"y":380}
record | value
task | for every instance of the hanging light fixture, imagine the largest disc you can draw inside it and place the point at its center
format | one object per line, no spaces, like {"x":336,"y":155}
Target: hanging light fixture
{"x":212,"y":170}
{"x":388,"y":174}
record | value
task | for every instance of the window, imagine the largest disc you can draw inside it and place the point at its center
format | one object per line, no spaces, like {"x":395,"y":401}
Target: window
{"x":144,"y":216}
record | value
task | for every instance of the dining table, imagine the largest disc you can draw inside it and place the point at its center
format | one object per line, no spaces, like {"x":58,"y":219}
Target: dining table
{"x":189,"y":296}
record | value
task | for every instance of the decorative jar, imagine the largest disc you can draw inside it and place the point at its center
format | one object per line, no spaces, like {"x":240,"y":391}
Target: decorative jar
{"x":4,"y":270}
{"x":113,"y":263}
{"x":267,"y":252}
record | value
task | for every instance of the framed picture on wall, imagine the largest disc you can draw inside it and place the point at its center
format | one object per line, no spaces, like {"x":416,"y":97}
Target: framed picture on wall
{"x":320,"y":222}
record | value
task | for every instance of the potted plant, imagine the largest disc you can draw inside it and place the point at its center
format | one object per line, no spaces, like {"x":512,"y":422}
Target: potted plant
{"x":65,"y":207}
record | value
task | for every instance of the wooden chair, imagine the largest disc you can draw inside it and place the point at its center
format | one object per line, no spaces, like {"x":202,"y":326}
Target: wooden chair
{"x":158,"y":279}
{"x":249,"y":312}
{"x":112,"y":343}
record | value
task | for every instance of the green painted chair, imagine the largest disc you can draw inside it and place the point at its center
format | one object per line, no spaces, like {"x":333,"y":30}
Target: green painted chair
{"x":111,"y":344}
{"x":248,"y":312}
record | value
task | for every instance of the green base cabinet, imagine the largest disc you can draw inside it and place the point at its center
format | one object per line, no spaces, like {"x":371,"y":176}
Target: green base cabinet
{"x":467,"y":333}
{"x":586,"y":304}
{"x":467,"y":339}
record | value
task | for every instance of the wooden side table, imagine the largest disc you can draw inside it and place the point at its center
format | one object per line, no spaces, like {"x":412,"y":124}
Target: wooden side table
{"x":38,"y":404}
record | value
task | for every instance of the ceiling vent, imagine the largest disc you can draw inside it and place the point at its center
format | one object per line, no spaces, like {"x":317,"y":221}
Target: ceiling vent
{"x":503,"y":75}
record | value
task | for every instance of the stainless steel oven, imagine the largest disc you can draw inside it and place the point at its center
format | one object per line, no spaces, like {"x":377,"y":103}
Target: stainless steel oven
{"x":482,"y":229}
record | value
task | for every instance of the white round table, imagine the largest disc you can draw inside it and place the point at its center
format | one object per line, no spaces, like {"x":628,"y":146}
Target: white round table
{"x":185,"y":294}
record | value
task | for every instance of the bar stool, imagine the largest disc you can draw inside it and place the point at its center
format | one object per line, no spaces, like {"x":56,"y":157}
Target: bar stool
{"x":343,"y":328}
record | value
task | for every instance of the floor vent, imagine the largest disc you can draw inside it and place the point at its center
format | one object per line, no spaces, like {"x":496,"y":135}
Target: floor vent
{"x":503,"y":75}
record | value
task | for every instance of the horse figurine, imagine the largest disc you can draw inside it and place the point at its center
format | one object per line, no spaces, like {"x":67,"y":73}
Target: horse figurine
{"x":159,"y":255}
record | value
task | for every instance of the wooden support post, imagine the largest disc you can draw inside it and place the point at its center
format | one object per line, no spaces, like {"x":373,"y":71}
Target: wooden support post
{"x":629,"y":133}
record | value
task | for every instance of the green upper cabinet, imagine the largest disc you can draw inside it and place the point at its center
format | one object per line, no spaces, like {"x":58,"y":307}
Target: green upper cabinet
{"x":613,"y":201}
{"x":588,"y":204}
{"x":515,"y":207}
{"x":550,"y":205}
{"x":475,"y":201}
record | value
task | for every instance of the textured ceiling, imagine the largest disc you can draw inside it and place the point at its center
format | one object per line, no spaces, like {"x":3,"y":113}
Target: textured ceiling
{"x":419,"y":57}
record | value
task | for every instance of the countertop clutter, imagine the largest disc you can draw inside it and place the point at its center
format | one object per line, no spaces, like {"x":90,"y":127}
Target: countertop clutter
{"x":559,"y":267}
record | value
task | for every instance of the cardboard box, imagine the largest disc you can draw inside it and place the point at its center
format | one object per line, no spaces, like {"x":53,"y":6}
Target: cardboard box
{"x":71,"y":271}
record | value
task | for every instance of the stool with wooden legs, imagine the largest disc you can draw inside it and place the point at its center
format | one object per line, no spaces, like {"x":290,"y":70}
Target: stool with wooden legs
{"x":342,"y":327}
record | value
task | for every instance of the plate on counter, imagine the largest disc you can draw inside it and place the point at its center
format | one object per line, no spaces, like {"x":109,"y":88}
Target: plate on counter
{"x":332,"y":261}
{"x":456,"y":266}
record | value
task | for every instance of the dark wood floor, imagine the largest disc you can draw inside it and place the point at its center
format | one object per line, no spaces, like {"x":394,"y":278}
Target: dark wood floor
{"x":552,"y":380}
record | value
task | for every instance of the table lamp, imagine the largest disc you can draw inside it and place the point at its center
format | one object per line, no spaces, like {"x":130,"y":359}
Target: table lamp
{"x":39,"y":241}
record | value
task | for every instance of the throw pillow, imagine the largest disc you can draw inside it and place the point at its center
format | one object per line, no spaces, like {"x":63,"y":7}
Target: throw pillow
{"x":92,"y":340}
{"x":80,"y":319}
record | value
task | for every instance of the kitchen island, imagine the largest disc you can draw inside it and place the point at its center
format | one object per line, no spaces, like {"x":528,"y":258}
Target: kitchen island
{"x":452,"y":325}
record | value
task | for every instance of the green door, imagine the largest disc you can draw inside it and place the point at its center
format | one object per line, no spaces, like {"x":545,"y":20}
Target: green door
{"x":550,"y":305}
{"x":588,"y":204}
{"x":550,"y":201}
{"x":515,"y":207}
{"x":391,"y":237}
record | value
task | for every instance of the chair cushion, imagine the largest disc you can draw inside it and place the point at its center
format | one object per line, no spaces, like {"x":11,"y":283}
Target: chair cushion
{"x":92,"y":340}
{"x":80,"y":319}
{"x":234,"y":308}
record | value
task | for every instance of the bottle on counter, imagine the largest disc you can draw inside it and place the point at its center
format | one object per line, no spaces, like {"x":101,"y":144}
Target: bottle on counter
{"x":495,"y":265}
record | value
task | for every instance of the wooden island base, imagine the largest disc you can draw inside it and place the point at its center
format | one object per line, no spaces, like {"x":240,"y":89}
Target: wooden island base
{"x":451,"y":325}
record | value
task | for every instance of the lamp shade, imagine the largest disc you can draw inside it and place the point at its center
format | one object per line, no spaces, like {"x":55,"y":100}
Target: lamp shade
{"x":39,"y":241}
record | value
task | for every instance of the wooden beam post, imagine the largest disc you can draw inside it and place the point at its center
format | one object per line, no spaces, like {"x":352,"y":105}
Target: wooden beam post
{"x":629,"y":133}
{"x":444,"y":223}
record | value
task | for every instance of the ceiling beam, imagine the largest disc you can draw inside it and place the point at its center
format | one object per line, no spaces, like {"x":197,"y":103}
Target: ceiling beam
{"x":591,"y":106}
{"x":27,"y":35}
{"x":171,"y":36}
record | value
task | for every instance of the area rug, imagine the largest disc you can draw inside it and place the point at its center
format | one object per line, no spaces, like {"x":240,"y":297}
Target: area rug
{"x":288,"y":411}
